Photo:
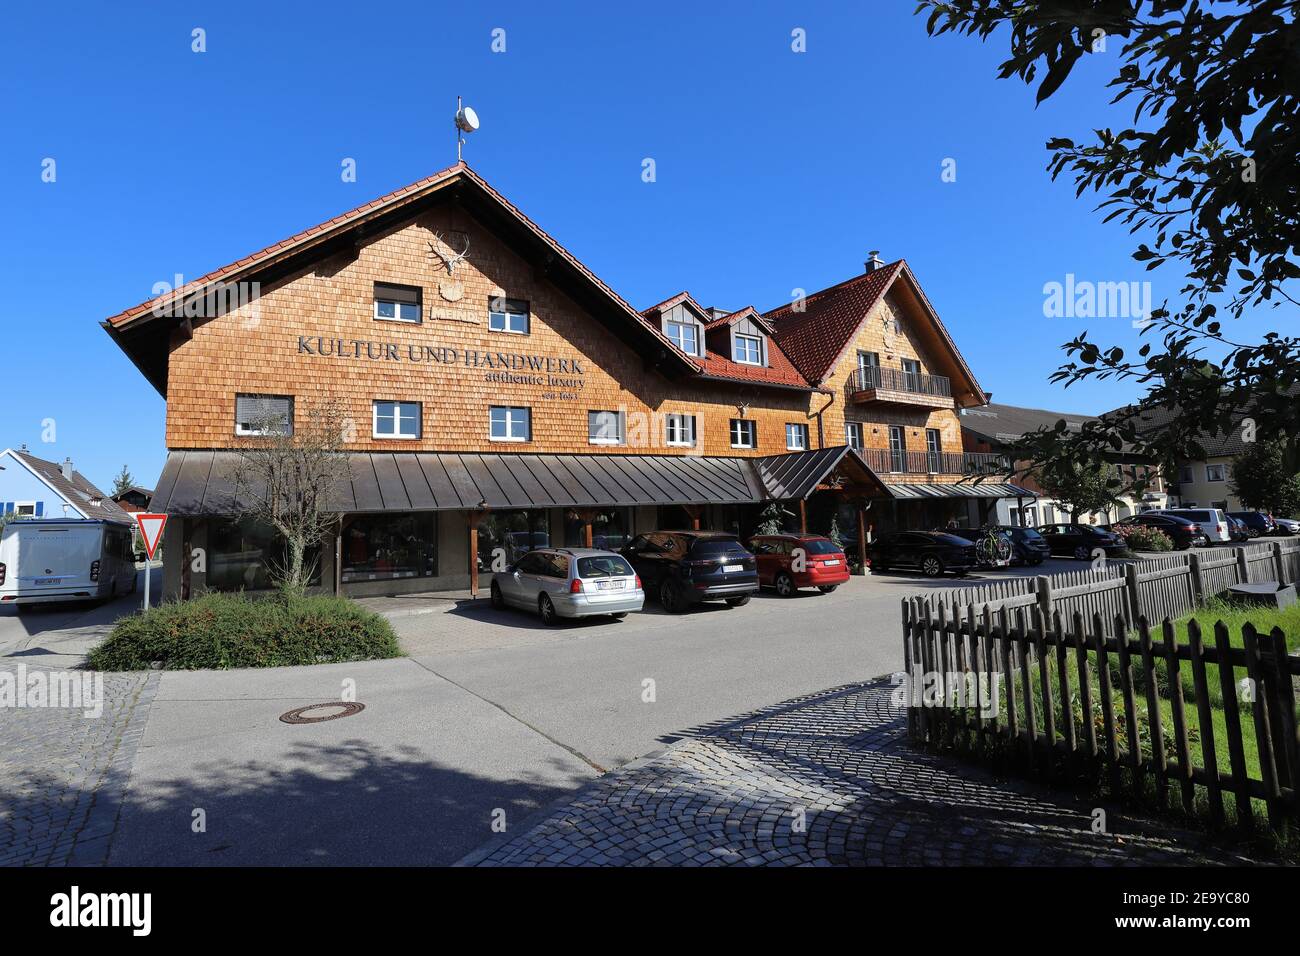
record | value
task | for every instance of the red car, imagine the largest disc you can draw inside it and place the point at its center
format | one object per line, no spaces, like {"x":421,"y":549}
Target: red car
{"x":788,"y":562}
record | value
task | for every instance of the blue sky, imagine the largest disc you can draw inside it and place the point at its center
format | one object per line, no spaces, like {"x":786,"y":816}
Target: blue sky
{"x":775,"y":170}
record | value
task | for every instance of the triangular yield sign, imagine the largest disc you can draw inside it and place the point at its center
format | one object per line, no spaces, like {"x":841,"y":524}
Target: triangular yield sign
{"x":151,"y":529}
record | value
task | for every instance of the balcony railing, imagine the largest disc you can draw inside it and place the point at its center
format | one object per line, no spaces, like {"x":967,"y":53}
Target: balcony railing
{"x":867,"y":377}
{"x":897,"y":462}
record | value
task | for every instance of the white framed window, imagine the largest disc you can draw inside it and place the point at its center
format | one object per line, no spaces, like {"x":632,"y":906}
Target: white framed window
{"x":263,"y":415}
{"x":748,"y":349}
{"x":508,"y":315}
{"x":853,"y":435}
{"x":744,"y":433}
{"x":684,"y":335}
{"x":679,"y":429}
{"x":25,"y":509}
{"x":796,"y":436}
{"x":510,"y":423}
{"x":397,"y":303}
{"x":1215,"y":473}
{"x":605,"y":428}
{"x":396,"y":419}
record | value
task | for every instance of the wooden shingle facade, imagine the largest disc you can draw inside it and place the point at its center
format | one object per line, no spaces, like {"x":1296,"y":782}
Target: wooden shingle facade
{"x":456,"y":335}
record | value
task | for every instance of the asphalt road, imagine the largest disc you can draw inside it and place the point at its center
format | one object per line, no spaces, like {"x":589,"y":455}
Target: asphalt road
{"x":491,"y":718}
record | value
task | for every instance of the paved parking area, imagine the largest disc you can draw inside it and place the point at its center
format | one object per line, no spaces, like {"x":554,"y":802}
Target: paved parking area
{"x":827,"y":780}
{"x":492,"y":717}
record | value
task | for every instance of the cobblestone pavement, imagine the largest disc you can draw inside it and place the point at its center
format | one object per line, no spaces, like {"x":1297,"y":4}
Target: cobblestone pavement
{"x":63,"y":775}
{"x":824,"y":780}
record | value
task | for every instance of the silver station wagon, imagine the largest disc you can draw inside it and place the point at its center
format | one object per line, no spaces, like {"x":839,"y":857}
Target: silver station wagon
{"x":569,"y":582}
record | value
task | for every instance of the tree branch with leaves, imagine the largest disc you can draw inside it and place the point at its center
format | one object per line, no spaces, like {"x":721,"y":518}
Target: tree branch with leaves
{"x":287,"y":476}
{"x":1207,"y":172}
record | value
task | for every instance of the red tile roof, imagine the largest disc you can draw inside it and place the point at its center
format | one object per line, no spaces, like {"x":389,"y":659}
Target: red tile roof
{"x":732,"y":317}
{"x":815,"y":337}
{"x":779,"y":370}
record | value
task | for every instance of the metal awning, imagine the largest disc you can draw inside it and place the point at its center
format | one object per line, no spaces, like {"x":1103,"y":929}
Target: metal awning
{"x":964,"y":489}
{"x":200,"y":482}
{"x":798,"y":474}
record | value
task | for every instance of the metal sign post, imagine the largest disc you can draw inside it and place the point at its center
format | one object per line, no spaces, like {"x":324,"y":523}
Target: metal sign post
{"x":151,"y":529}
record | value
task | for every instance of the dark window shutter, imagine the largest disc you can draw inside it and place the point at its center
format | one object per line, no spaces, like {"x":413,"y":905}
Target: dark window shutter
{"x":397,"y":293}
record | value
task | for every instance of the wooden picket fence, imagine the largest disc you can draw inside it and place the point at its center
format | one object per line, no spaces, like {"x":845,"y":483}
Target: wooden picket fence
{"x":1054,"y":707}
{"x":1168,"y":586}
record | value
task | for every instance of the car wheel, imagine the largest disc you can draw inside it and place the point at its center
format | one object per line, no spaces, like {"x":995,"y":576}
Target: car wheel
{"x":619,"y":616}
{"x":498,"y":599}
{"x":827,"y":588}
{"x":738,"y":601}
{"x":785,"y":585}
{"x":931,"y":566}
{"x":668,"y":598}
{"x":1081,"y":553}
{"x":547,"y":609}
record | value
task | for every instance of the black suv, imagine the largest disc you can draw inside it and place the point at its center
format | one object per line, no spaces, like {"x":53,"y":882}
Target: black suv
{"x":930,"y":552}
{"x":683,"y":568}
{"x":1256,"y":522}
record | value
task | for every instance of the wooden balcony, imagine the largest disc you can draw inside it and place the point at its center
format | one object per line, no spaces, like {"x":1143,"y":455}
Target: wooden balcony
{"x":898,"y":387}
{"x":886,"y":462}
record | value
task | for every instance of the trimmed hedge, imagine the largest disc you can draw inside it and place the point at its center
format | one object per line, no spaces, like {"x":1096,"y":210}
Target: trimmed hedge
{"x":232,"y":630}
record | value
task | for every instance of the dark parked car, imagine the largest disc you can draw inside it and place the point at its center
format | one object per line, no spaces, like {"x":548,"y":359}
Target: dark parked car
{"x":788,"y":562}
{"x":1027,"y":545}
{"x":998,"y":554}
{"x":1080,"y":540}
{"x":1183,"y":533}
{"x":683,"y":568}
{"x":1258,"y":522}
{"x":1239,"y":530}
{"x":930,"y":552}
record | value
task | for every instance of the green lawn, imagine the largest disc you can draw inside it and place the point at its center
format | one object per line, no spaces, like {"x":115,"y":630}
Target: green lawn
{"x":1234,"y":616}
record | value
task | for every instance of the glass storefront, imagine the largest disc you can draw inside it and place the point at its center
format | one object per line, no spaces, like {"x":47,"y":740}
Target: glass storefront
{"x":611,"y":528}
{"x":387,"y":547}
{"x":503,"y":536}
{"x":246,"y":555}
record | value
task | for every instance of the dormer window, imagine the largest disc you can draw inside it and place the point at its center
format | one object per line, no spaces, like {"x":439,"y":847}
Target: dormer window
{"x":684,"y":335}
{"x":748,"y":349}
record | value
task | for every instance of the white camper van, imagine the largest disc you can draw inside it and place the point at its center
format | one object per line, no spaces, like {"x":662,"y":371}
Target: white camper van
{"x":65,"y":559}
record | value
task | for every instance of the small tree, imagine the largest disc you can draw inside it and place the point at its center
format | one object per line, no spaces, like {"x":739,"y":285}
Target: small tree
{"x":6,"y":518}
{"x":834,"y":535}
{"x":286,"y":476}
{"x":123,"y":482}
{"x":1262,"y":480}
{"x":1084,"y":488}
{"x":771,"y":520}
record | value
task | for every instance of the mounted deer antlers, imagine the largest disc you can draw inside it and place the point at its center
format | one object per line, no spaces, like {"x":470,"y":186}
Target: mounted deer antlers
{"x":453,"y":260}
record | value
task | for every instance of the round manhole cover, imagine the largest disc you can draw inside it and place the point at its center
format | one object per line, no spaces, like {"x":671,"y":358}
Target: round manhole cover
{"x":316,"y":713}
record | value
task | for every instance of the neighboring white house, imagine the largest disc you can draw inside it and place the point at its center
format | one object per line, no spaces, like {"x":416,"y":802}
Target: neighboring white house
{"x":32,"y":487}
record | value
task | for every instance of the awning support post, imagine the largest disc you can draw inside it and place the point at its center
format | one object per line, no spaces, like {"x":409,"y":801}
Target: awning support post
{"x":803,"y":515}
{"x":473,"y":553}
{"x":862,"y":537}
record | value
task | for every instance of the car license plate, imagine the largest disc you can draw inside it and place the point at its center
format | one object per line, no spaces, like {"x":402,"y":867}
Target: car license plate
{"x":728,"y":568}
{"x":831,"y":563}
{"x":48,"y":580}
{"x":609,"y":585}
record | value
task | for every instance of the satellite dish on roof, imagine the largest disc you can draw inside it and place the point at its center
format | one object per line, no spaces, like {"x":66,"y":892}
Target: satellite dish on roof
{"x":466,"y":122}
{"x":466,"y":119}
